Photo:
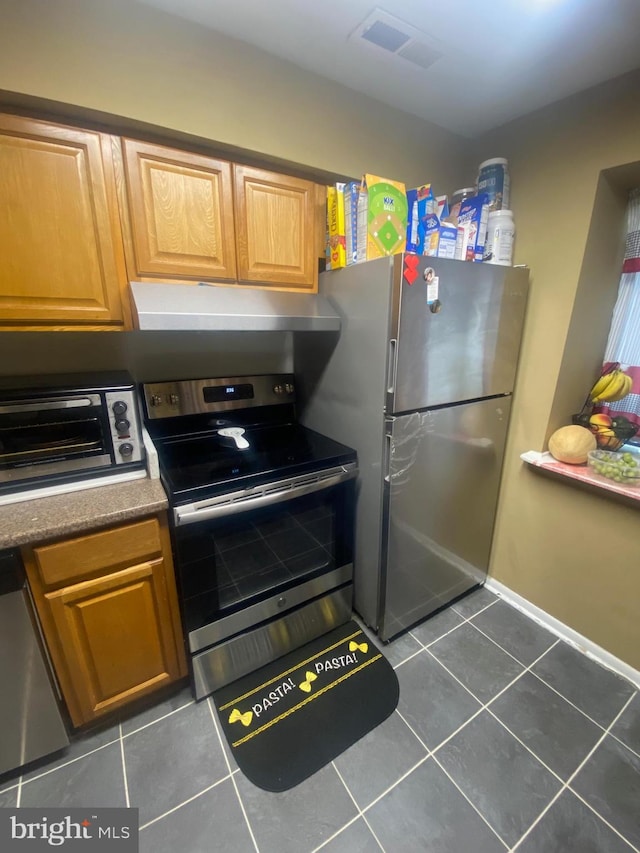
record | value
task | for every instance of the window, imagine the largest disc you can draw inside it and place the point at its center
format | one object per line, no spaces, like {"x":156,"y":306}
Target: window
{"x":623,"y":344}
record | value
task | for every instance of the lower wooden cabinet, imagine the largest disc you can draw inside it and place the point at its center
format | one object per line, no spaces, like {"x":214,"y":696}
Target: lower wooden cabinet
{"x":113,"y":633}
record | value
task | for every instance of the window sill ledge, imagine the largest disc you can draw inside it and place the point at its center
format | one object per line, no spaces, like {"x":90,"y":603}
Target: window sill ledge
{"x":580,"y":475}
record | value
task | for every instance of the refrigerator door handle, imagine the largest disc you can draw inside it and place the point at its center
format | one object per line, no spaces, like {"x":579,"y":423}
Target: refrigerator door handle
{"x":392,"y":364}
{"x":387,"y":458}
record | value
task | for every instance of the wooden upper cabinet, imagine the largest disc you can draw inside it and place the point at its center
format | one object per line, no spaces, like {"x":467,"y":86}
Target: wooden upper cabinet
{"x":180,"y":213}
{"x":60,"y":240}
{"x":276,"y":231}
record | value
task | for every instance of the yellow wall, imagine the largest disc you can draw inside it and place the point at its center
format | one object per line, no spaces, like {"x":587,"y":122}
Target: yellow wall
{"x":576,"y":555}
{"x":572,"y":553}
{"x":126,"y":59}
{"x":124,"y":65}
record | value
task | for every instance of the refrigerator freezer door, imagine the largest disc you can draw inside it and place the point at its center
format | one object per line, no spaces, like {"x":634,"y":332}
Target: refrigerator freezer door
{"x":462,"y":347}
{"x":440,"y":498}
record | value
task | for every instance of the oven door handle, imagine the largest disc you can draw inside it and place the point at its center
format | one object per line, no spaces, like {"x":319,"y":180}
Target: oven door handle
{"x":192,"y":513}
{"x":82,"y":402}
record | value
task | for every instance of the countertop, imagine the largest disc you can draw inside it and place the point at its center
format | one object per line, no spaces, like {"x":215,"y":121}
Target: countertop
{"x":582,"y":475}
{"x":65,"y":515}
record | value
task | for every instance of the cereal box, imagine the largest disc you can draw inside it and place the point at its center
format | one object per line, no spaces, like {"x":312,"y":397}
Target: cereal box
{"x":447,"y":240}
{"x":386,"y":216}
{"x":442,"y":207}
{"x":472,"y":228}
{"x":361,"y":226}
{"x":335,"y":213}
{"x":440,"y":238}
{"x":331,"y":191}
{"x":352,"y":193}
{"x":431,"y":235}
{"x":420,"y":203}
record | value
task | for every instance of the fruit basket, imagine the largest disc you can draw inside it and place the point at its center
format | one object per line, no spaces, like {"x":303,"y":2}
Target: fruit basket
{"x":610,"y":432}
{"x":623,"y":468}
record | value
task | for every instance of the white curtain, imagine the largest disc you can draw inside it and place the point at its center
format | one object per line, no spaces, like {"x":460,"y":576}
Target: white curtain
{"x":623,"y":345}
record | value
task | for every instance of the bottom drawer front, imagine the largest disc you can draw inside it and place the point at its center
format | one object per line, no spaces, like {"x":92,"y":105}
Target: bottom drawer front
{"x":247,"y":652}
{"x":106,"y":549}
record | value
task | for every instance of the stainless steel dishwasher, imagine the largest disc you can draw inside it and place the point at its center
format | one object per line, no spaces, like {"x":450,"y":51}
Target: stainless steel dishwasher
{"x":31,"y":724}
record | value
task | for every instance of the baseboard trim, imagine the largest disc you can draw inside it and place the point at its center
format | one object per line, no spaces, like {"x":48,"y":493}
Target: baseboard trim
{"x":578,"y":641}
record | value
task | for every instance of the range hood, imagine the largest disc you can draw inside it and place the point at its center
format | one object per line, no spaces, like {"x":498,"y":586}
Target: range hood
{"x":166,"y":307}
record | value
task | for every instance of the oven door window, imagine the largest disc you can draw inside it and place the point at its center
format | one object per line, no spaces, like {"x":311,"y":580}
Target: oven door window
{"x":32,"y":438}
{"x":231,"y":563}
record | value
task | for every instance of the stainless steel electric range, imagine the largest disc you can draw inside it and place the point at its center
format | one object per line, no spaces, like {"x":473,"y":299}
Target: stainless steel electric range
{"x":262,"y":514}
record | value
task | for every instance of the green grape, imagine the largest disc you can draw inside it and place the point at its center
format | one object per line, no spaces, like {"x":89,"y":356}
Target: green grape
{"x":621,"y":468}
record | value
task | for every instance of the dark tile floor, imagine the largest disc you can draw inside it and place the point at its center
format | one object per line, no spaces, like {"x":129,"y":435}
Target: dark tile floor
{"x":505,"y":738}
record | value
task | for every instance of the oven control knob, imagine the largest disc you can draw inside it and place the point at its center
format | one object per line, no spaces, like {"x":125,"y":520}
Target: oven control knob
{"x":174,"y":399}
{"x":278,"y":389}
{"x":119,"y":407}
{"x":122,"y":426}
{"x":281,"y":601}
{"x":126,"y":449}
{"x":288,"y":388}
{"x":155,"y":400}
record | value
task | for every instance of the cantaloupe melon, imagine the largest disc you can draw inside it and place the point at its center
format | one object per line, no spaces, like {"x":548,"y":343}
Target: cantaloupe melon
{"x":572,"y":444}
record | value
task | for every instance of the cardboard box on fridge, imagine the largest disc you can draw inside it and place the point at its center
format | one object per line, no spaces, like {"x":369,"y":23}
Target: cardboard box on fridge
{"x":472,"y":228}
{"x":440,"y":238}
{"x":420,"y":205}
{"x":434,"y":238}
{"x":447,"y":238}
{"x":385,"y":203}
{"x":431,"y":235}
{"x":442,"y":207}
{"x":335,"y":217}
{"x":355,"y":221}
{"x":329,"y":208}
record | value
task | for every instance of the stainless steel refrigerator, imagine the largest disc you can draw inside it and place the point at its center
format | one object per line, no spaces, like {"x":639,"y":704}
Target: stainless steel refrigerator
{"x":419,"y":380}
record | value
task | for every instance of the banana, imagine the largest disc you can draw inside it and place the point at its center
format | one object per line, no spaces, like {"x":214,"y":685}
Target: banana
{"x":601,"y":384}
{"x":614,"y":382}
{"x":626,"y":387}
{"x":614,"y":388}
{"x":618,"y":387}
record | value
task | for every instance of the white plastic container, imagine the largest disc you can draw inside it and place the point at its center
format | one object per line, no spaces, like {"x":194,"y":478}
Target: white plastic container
{"x":498,"y":248}
{"x":493,"y":179}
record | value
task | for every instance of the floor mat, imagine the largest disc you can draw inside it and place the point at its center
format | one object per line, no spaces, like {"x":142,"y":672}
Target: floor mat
{"x":290,"y":718}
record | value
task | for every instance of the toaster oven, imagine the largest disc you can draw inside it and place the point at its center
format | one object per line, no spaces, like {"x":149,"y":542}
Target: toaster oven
{"x":58,"y":432}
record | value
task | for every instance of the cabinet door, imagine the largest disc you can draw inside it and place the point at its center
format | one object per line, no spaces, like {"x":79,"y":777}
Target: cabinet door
{"x":276,"y":234}
{"x":180,"y":211}
{"x":60,"y":243}
{"x":115,"y":636}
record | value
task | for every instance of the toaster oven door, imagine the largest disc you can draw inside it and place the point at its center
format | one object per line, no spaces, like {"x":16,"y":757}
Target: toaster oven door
{"x":52,"y":436}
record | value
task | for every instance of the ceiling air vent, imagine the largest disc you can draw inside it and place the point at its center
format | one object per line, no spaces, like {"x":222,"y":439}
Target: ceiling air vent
{"x":383,"y":31}
{"x":385,"y":36}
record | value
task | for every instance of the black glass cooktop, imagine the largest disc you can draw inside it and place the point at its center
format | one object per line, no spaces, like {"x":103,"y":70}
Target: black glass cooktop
{"x":210,"y":464}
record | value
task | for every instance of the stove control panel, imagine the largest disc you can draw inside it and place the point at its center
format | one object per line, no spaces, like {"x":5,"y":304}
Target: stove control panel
{"x":287,"y":389}
{"x":219,"y":394}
